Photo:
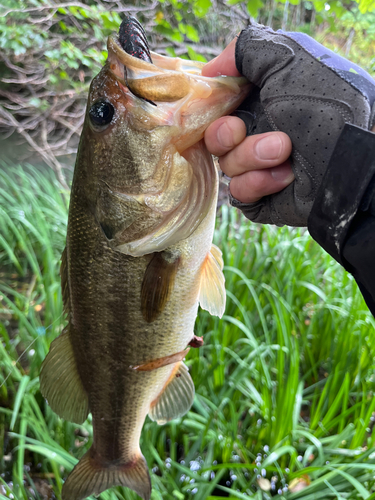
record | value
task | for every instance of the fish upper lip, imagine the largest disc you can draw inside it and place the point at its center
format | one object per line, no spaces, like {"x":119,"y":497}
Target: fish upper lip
{"x":193,"y":68}
{"x":113,"y":45}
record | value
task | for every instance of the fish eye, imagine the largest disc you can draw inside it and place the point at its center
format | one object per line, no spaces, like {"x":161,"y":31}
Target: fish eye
{"x":101,"y":113}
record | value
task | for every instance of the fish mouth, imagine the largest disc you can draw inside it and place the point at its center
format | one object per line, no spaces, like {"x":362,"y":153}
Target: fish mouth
{"x":161,"y":79}
{"x":151,"y":76}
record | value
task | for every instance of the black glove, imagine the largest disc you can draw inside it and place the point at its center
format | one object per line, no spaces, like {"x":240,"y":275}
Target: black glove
{"x":308,"y":92}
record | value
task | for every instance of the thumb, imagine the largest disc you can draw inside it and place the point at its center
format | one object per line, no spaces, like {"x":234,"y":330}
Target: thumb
{"x":224,"y":64}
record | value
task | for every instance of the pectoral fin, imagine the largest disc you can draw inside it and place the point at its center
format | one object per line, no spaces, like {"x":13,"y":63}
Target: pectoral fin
{"x":157,"y":284}
{"x":176,"y":397}
{"x":60,"y":383}
{"x":212,"y":291}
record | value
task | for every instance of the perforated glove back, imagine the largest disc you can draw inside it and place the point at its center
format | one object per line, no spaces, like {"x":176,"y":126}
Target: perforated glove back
{"x":308,"y":92}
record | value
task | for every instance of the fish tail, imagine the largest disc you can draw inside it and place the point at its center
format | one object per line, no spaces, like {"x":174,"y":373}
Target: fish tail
{"x":90,"y":477}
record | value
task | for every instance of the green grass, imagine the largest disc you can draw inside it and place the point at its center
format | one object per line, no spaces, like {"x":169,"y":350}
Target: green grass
{"x":284,"y":381}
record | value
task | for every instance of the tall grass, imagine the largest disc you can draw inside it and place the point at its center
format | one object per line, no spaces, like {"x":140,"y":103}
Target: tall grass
{"x":284,"y":382}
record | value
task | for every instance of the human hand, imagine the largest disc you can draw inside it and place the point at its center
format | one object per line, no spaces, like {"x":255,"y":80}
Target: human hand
{"x":302,"y":89}
{"x":257,"y":164}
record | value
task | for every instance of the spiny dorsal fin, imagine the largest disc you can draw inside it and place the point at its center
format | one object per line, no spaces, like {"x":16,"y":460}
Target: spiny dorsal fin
{"x":157,"y":284}
{"x":212,"y":291}
{"x":60,"y":382}
{"x":176,"y":397}
{"x":90,"y":477}
{"x":64,"y":282}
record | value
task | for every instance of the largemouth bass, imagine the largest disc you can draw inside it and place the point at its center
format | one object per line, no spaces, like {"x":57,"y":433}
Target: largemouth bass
{"x":138,"y":258}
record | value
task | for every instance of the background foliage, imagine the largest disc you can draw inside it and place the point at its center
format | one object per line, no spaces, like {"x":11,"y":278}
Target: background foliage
{"x":49,"y":52}
{"x":285,"y":381}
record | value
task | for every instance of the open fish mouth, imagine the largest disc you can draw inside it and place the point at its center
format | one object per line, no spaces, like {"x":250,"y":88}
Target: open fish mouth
{"x":153,"y":77}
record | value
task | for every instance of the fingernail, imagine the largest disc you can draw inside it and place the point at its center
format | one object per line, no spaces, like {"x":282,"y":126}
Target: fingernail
{"x":283,"y":174}
{"x":269,"y":148}
{"x":225,"y":136}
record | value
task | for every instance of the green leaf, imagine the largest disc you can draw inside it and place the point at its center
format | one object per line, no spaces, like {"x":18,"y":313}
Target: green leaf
{"x":17,"y":403}
{"x":85,"y":13}
{"x":192,"y":33}
{"x":366,"y":6}
{"x":110,"y":22}
{"x":171,"y":52}
{"x":277,"y":454}
{"x":182,"y":28}
{"x":201,"y":7}
{"x":253,"y":7}
{"x":357,"y":485}
{"x":194,"y":56}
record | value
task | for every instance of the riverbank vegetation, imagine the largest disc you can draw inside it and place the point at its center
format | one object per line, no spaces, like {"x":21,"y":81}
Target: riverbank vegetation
{"x":284,"y":381}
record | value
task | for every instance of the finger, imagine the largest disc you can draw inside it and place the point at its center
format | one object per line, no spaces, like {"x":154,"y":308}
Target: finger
{"x":224,"y":134}
{"x":257,"y":152}
{"x":251,"y":186}
{"x":224,"y":64}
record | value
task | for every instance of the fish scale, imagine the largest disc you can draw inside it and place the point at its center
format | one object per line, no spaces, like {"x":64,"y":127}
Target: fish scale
{"x":138,"y":260}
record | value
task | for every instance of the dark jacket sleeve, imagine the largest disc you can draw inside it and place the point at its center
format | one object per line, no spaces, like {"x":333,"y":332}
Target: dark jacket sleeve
{"x":342,"y":219}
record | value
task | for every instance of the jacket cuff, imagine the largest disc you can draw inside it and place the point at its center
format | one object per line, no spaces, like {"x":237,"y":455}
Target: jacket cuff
{"x":349,"y":173}
{"x":342,"y":219}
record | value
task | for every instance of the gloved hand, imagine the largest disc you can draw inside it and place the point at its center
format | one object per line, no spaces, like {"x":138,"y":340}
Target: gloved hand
{"x":308,"y":92}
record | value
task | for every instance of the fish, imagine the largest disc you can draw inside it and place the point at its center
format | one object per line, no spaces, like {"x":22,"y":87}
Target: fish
{"x":139,"y":257}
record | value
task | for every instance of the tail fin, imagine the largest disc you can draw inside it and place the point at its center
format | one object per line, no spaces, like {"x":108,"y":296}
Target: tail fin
{"x":89,"y":477}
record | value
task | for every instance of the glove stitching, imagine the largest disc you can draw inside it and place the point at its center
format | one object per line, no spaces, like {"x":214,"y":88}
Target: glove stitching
{"x":304,"y":163}
{"x":346,"y":114}
{"x":285,"y":57}
{"x":273,"y":212}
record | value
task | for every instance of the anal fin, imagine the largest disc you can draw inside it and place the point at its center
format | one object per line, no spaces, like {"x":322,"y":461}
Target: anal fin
{"x":176,"y":397}
{"x":212,"y":294}
{"x":90,"y":477}
{"x":60,"y":383}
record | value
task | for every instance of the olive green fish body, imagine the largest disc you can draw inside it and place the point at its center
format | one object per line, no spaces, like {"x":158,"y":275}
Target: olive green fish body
{"x":138,"y":261}
{"x":110,"y":335}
